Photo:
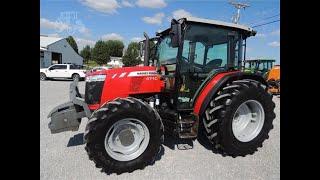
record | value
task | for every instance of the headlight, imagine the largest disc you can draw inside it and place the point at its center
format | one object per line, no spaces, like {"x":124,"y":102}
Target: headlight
{"x":94,"y":78}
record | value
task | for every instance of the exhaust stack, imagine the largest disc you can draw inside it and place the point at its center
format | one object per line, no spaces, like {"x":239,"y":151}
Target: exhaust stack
{"x":146,"y":50}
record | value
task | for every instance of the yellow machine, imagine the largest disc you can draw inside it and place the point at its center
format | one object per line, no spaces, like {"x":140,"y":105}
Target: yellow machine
{"x":273,"y":79}
{"x":268,"y":70}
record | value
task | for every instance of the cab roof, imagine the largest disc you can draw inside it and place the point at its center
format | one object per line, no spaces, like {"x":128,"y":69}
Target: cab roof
{"x":219,"y":23}
{"x":247,"y":29}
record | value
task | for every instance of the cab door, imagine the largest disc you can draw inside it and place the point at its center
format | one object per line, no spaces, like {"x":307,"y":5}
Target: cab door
{"x":199,"y":59}
{"x":192,"y":73}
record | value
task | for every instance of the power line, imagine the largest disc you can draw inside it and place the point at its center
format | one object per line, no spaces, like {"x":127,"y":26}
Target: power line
{"x":266,"y":18}
{"x":266,"y":23}
{"x":271,"y":16}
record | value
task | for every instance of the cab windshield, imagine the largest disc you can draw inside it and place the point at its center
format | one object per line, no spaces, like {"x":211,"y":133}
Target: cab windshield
{"x":165,"y":52}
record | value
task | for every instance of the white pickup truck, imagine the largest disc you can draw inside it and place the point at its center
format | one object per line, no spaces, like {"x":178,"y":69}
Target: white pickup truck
{"x":66,"y":71}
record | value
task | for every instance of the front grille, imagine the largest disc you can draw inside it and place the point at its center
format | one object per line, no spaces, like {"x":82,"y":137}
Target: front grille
{"x":93,"y":92}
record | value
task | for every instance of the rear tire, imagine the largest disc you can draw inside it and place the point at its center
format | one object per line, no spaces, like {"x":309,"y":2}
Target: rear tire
{"x":278,"y":85}
{"x":104,"y":120}
{"x":220,"y":114}
{"x":43,"y":77}
{"x":75,"y":77}
{"x":274,"y":84}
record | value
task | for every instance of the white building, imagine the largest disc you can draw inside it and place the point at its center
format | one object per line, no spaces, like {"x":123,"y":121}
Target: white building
{"x":115,"y":62}
{"x":55,"y":50}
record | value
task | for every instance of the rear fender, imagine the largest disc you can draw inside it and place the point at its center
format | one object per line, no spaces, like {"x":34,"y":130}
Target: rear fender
{"x":202,"y":103}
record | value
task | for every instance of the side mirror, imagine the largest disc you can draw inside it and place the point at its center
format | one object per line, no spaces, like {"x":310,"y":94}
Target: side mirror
{"x":175,"y":33}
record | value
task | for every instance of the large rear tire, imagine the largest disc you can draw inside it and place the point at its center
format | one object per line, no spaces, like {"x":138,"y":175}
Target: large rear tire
{"x":239,"y":118}
{"x":124,"y":135}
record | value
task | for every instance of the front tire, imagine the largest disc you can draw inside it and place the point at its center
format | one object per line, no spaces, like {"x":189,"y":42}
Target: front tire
{"x":248,"y":99}
{"x":123,"y":135}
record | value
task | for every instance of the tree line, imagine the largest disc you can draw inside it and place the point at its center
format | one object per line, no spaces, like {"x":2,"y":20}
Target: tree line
{"x":102,"y":50}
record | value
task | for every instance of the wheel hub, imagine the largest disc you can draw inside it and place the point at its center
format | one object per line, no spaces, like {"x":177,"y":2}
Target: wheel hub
{"x":127,"y":139}
{"x":248,"y":121}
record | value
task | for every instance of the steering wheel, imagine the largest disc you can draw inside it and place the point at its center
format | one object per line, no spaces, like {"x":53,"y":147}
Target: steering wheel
{"x":184,"y":58}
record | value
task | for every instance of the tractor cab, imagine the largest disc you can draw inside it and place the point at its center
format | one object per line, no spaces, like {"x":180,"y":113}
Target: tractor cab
{"x":193,"y":50}
{"x":261,"y":66}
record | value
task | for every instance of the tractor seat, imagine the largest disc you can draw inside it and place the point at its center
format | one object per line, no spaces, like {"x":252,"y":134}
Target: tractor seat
{"x":215,"y":63}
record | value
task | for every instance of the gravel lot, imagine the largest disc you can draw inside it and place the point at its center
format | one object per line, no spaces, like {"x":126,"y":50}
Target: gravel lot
{"x":62,"y":156}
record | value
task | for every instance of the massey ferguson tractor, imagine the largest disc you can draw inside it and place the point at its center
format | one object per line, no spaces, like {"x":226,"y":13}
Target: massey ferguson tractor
{"x":193,"y":84}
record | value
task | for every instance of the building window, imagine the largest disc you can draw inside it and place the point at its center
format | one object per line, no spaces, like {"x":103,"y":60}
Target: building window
{"x":41,"y":54}
{"x":56,"y":58}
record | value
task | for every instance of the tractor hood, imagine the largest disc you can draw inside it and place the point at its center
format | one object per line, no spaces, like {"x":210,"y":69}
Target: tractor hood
{"x":125,"y":71}
{"x":136,"y":71}
{"x":123,"y":82}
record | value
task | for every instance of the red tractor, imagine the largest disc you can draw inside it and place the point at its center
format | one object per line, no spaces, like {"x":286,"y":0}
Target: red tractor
{"x":192,"y":84}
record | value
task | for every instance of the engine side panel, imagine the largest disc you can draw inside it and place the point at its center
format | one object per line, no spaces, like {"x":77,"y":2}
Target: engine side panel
{"x":124,"y":82}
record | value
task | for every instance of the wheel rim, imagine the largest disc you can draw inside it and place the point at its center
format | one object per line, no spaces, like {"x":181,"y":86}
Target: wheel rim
{"x":75,"y":77}
{"x":248,"y":121}
{"x":127,"y":139}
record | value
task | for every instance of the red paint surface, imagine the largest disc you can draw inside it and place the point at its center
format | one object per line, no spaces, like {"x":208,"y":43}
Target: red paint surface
{"x":119,"y":84}
{"x":93,"y":106}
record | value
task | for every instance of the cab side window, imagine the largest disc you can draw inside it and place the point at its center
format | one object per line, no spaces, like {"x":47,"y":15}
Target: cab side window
{"x":167,"y":53}
{"x":217,"y":56}
{"x":199,"y":54}
{"x":193,"y":52}
{"x":185,"y":52}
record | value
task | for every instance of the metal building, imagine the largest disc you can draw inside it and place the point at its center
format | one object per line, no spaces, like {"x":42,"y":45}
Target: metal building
{"x":55,"y":50}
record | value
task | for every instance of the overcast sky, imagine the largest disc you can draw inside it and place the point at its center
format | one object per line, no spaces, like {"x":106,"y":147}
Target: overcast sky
{"x":90,"y":20}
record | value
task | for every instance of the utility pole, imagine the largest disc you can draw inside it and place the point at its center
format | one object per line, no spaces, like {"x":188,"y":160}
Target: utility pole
{"x":238,"y":6}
